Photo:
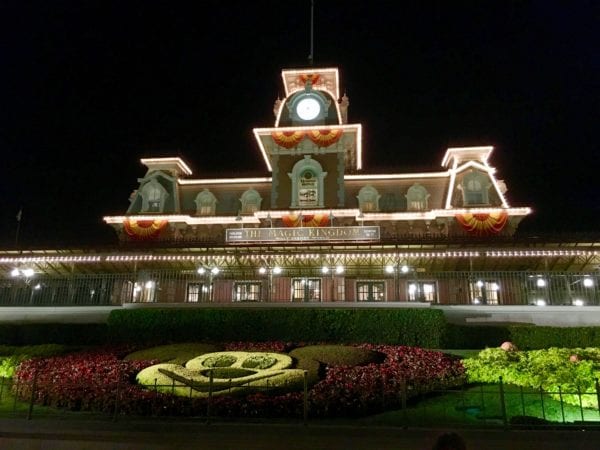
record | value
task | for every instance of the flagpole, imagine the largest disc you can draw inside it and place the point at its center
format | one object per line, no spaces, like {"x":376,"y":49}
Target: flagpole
{"x":19,"y":215}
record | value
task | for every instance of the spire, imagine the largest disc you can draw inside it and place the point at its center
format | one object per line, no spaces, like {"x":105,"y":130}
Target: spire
{"x":311,"y":56}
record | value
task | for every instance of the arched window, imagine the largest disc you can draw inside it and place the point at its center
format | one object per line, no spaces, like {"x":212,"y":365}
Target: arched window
{"x":368,"y":199}
{"x":417,"y":198}
{"x":307,"y":184}
{"x":153,"y":197}
{"x":206,"y":203}
{"x":475,"y":187}
{"x":251,"y":201}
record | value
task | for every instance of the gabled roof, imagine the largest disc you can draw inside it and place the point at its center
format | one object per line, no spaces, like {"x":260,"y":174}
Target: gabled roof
{"x":264,"y":138}
{"x":175,"y":166}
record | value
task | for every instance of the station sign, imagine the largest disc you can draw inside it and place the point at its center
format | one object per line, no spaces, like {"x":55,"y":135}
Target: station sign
{"x":302,"y":234}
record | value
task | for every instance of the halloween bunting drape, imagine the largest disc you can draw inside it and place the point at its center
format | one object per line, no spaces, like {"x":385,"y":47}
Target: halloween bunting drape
{"x":483,"y":224}
{"x":144,"y":230}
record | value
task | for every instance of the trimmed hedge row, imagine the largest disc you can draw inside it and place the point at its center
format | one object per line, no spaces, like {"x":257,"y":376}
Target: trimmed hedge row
{"x":53,"y":333}
{"x":420,"y":327}
{"x":533,"y":338}
{"x":525,"y":337}
{"x":417,"y":327}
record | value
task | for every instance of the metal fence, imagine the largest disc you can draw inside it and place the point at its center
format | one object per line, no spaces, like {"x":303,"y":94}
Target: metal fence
{"x":185,"y":286}
{"x":499,"y":405}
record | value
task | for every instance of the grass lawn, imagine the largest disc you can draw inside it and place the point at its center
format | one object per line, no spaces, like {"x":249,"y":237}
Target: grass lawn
{"x":461,"y":353}
{"x":481,"y":405}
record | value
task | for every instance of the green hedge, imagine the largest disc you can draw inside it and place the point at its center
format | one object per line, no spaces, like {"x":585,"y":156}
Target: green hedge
{"x":55,"y":333}
{"x":419,"y":327}
{"x":525,"y":337}
{"x":532,"y":338}
{"x":475,"y":336}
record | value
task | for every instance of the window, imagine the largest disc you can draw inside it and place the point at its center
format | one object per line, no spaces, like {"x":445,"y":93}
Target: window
{"x":422,"y":291}
{"x":153,"y":197}
{"x":485,"y":292}
{"x":306,"y":290}
{"x":370,"y":291}
{"x":247,"y":291}
{"x":251,"y":201}
{"x":206,"y":203}
{"x":417,"y":198}
{"x":368,"y":199}
{"x":194,"y":292}
{"x":475,"y":189}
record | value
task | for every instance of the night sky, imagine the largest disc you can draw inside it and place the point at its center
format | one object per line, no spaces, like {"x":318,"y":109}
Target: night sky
{"x":87,"y":88}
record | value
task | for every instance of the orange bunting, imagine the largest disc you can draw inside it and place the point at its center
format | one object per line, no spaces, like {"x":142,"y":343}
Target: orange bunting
{"x":313,"y":77}
{"x":144,"y":230}
{"x":483,"y":224}
{"x":287,"y":139}
{"x":324,"y":138}
{"x":307,"y":220}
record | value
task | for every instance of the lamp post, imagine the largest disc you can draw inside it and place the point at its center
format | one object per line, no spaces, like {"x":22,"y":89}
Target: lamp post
{"x":26,"y":275}
{"x":211,"y":273}
{"x":397,"y":270}
{"x":337,"y":270}
{"x":270,"y":271}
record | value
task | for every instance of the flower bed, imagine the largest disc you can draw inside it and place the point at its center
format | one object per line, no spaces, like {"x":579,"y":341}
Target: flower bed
{"x":359,"y":390}
{"x":101,"y":380}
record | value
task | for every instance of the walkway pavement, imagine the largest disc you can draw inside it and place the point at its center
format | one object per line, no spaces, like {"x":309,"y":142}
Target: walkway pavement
{"x":154,"y":434}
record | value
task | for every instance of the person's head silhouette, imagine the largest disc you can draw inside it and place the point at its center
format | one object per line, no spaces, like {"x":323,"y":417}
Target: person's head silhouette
{"x":449,"y":441}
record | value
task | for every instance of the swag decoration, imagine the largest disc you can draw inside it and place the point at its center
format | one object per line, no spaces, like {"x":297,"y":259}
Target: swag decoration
{"x":144,"y":230}
{"x":483,"y":224}
{"x":322,"y":138}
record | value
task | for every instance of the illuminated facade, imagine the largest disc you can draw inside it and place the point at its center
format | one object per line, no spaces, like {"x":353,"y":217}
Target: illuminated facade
{"x":317,"y":228}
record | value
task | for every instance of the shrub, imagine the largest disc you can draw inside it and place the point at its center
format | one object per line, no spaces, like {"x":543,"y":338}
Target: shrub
{"x":34,"y":351}
{"x":533,"y":337}
{"x":526,"y":337}
{"x":259,"y":362}
{"x":474,"y":336}
{"x":422,"y":327}
{"x":174,"y":353}
{"x":194,"y":380}
{"x":59,"y":333}
{"x":549,"y":369}
{"x":337,"y":355}
{"x":219,"y":361}
{"x":228,"y":372}
{"x":8,"y":366}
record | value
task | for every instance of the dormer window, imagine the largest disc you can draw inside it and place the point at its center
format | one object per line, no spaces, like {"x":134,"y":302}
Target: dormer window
{"x":417,"y":198}
{"x":475,"y":189}
{"x":368,"y":199}
{"x":153,"y":197}
{"x":251,"y":201}
{"x":206,"y":203}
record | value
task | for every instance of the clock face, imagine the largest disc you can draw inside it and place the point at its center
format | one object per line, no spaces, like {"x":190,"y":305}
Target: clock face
{"x":308,"y":108}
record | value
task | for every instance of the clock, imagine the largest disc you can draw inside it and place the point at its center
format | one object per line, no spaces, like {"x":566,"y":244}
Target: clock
{"x":308,"y":108}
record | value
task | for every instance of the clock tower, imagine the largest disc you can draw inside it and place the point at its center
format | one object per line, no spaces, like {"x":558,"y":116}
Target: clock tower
{"x":311,"y":146}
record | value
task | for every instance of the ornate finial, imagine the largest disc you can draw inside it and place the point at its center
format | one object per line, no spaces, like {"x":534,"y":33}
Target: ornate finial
{"x":276,"y":107}
{"x":311,"y":56}
{"x":344,"y":103}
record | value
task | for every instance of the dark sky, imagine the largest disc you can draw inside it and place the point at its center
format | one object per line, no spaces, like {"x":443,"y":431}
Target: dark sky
{"x":87,"y":88}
